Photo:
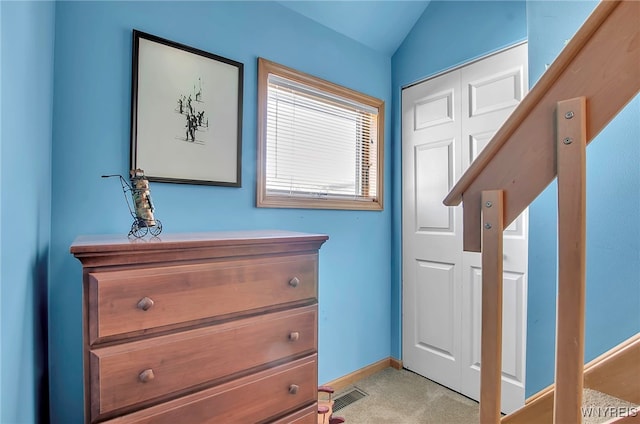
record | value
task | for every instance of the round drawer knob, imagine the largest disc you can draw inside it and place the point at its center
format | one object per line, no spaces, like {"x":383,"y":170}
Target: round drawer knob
{"x":294,"y":282}
{"x":293,"y":389}
{"x":294,"y":336}
{"x":145,"y":303}
{"x":146,"y":376}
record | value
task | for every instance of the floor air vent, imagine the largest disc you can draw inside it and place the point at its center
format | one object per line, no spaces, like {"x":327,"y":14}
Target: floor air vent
{"x":348,"y":398}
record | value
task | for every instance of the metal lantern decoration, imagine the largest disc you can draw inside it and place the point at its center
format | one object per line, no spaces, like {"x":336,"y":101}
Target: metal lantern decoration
{"x":142,"y":210}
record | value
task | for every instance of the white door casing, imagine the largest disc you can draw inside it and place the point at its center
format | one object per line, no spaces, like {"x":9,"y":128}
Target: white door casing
{"x":446,"y":122}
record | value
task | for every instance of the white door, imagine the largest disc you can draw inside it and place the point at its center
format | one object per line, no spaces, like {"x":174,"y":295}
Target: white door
{"x":432,"y":240}
{"x":446,"y":122}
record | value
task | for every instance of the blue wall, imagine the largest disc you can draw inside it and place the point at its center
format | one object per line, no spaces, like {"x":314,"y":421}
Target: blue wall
{"x":27,"y":90}
{"x":1,"y":102}
{"x":613,"y":205}
{"x":360,"y":293}
{"x":91,"y":137}
{"x":613,"y":217}
{"x":446,"y":35}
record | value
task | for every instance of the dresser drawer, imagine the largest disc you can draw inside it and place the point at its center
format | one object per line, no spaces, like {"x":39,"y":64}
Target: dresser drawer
{"x":158,"y":368}
{"x":135,"y":300}
{"x":252,"y":399}
{"x":308,"y":415}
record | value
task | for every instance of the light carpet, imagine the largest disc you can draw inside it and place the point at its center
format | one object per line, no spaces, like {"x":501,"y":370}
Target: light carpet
{"x":403,"y":397}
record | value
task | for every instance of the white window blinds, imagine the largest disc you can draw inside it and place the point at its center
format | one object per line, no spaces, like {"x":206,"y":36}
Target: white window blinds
{"x":319,"y":145}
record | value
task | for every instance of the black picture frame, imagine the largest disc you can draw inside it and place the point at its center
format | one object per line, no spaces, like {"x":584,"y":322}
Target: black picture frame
{"x":186,"y":113}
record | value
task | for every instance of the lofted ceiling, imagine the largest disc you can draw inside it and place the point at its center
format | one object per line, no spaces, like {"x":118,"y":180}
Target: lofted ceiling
{"x":378,"y":24}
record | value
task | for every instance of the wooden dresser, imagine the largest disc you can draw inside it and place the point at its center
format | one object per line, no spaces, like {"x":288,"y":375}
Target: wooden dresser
{"x":200,"y":328}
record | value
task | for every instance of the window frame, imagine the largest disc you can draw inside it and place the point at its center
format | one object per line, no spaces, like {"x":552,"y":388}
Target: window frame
{"x":264,"y":200}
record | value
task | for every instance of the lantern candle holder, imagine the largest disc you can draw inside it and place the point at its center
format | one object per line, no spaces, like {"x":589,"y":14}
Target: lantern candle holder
{"x":142,"y":209}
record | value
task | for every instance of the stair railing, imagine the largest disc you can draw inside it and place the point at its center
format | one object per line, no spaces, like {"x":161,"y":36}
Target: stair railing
{"x":593,"y":78}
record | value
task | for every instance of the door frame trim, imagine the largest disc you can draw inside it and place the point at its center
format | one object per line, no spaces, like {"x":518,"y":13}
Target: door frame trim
{"x":462,"y":65}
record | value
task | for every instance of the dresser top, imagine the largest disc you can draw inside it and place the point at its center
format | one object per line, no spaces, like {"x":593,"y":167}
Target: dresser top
{"x":218,"y":243}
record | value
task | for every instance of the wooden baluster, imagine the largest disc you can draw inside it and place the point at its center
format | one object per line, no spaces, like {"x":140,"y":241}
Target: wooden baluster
{"x":491,"y":355}
{"x":571,"y":161}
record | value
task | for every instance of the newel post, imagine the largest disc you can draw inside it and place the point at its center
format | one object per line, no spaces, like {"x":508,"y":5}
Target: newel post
{"x":571,"y":169}
{"x":492,"y":265}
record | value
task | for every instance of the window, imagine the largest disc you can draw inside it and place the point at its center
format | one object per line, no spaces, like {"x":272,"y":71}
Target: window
{"x":320,"y":145}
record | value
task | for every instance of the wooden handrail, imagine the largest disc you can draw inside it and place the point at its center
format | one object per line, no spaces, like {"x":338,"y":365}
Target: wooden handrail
{"x":592,"y":79}
{"x":600,"y":63}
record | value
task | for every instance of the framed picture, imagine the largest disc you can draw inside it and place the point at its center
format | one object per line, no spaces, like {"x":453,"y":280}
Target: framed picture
{"x":186,"y":113}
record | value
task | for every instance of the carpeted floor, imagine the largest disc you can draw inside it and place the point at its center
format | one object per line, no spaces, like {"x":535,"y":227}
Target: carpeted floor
{"x":599,"y":407}
{"x":403,"y":397}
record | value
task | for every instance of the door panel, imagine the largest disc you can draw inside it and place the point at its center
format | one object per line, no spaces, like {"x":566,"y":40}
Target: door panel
{"x":431,"y":231}
{"x":446,"y":122}
{"x":435,"y":284}
{"x":435,"y":346}
{"x":512,"y":364}
{"x":514,"y":339}
{"x":495,"y":90}
{"x":434,"y":167}
{"x":495,"y":86}
{"x":434,"y":110}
